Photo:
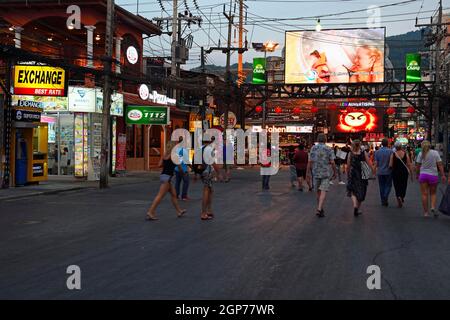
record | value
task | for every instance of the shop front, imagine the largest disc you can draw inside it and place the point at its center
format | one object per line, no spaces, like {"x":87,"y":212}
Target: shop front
{"x":74,"y":130}
{"x":147,"y":132}
{"x":290,"y":136}
{"x":145,"y":140}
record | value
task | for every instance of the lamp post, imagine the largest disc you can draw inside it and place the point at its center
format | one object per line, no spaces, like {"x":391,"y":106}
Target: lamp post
{"x":268,"y":46}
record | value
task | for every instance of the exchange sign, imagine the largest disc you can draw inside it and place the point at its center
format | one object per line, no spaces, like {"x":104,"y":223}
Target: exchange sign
{"x":147,"y":115}
{"x":40,"y":81}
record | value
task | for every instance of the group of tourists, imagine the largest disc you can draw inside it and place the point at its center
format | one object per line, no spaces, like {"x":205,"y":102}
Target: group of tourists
{"x":317,"y":168}
{"x":181,"y":171}
{"x":392,"y":166}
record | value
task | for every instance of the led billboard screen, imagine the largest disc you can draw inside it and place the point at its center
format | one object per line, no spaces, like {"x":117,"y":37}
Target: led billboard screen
{"x":335,"y":56}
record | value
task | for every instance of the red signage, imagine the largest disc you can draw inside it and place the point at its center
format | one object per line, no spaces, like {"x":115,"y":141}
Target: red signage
{"x":357,"y":120}
{"x":121,"y":152}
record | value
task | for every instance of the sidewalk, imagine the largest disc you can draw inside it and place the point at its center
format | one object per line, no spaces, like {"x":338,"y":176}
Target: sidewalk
{"x":59,"y":184}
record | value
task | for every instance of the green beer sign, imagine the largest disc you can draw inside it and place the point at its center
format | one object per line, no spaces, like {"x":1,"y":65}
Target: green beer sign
{"x":413,"y":67}
{"x":147,"y":115}
{"x":259,"y":70}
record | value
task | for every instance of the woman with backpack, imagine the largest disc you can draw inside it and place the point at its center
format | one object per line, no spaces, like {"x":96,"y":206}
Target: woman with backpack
{"x":401,"y":165}
{"x":357,"y":182}
{"x":166,"y":186}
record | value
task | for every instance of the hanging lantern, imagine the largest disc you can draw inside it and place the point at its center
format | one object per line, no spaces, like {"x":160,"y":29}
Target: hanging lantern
{"x":332,"y":107}
{"x":314,"y":109}
{"x":411,"y":110}
{"x":372,"y":110}
{"x":390,"y":111}
{"x":259,"y":109}
{"x":296,"y":110}
{"x":278,"y":110}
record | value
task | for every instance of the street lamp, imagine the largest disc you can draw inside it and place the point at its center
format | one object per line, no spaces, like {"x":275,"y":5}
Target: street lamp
{"x":268,"y":46}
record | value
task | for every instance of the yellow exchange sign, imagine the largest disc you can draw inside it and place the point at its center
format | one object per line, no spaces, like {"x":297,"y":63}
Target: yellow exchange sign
{"x":40,"y":81}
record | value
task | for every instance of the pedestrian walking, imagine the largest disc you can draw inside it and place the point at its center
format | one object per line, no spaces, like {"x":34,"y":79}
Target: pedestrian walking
{"x":208,"y":169}
{"x":292,"y":169}
{"x":301,"y":159}
{"x":266,"y":178}
{"x":384,"y":172}
{"x":357,"y":182}
{"x":166,"y":186}
{"x":320,"y":160}
{"x":182,"y":176}
{"x":429,"y":164}
{"x":339,"y":160}
{"x":402,"y":168}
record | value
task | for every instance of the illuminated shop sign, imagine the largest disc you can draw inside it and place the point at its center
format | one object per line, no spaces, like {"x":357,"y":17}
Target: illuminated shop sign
{"x":358,"y":121}
{"x":40,"y":81}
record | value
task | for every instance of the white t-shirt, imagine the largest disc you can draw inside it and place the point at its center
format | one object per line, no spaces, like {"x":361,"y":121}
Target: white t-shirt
{"x":429,"y":164}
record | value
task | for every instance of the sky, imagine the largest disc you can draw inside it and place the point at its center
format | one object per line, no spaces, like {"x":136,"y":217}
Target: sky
{"x":263,"y":24}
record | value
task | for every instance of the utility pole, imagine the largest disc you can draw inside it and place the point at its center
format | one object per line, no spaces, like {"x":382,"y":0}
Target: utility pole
{"x":241,"y":32}
{"x":106,"y":124}
{"x":440,"y":34}
{"x":6,"y":134}
{"x":173,"y":65}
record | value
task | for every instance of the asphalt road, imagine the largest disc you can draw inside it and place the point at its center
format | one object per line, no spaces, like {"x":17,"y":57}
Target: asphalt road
{"x":261,"y":245}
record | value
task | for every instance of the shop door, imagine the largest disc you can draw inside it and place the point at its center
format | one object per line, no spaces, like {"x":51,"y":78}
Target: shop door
{"x":61,"y":145}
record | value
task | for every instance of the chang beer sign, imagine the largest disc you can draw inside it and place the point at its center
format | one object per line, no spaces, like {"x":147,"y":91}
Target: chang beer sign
{"x":147,"y":115}
{"x":413,"y":67}
{"x":259,"y":70}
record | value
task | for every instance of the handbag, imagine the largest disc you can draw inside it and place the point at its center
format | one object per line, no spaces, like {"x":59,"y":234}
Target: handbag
{"x":366,"y":172}
{"x":444,"y":207}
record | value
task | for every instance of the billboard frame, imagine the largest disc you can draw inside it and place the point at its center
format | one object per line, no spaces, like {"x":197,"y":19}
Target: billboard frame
{"x":335,"y":29}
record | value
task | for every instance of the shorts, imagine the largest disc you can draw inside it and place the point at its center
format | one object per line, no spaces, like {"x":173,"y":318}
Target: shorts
{"x":322,"y":184}
{"x":428,"y":178}
{"x":207,"y":178}
{"x":301,"y":173}
{"x":163,"y":178}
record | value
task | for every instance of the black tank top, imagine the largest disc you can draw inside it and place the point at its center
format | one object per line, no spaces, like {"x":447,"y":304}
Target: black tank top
{"x":168,"y":167}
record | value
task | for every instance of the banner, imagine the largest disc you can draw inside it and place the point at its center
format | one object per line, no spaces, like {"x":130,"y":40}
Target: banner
{"x":121,"y":152}
{"x":335,"y":56}
{"x":147,"y":115}
{"x":259,"y":70}
{"x":40,"y":81}
{"x":413,"y":67}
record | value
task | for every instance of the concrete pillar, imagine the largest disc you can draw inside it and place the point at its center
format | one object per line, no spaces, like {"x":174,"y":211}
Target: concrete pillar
{"x":118,"y":52}
{"x":90,"y":46}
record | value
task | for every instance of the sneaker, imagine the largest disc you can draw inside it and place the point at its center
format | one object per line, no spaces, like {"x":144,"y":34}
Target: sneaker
{"x":341,"y":182}
{"x":186,"y":199}
{"x":331,"y":182}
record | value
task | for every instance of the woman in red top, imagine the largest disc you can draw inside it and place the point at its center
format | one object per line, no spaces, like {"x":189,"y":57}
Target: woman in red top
{"x":301,"y":163}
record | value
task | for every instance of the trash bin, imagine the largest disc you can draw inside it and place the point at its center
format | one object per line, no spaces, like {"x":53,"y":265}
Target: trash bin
{"x":21,"y":161}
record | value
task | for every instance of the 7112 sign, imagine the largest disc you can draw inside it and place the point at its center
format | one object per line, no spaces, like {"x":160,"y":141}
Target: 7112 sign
{"x":147,"y":115}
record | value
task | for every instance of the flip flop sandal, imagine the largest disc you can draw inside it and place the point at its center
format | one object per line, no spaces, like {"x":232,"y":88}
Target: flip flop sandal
{"x":181,"y":214}
{"x":210,"y":214}
{"x":148,"y":218}
{"x":206,"y":218}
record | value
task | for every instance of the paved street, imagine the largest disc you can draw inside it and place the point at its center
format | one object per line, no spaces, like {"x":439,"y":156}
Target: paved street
{"x":259,"y":246}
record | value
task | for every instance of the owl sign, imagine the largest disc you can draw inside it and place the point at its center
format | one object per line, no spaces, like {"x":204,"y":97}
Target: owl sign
{"x":357,"y":120}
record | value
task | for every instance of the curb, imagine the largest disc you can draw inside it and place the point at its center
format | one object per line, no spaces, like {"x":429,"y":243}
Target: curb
{"x":40,"y":193}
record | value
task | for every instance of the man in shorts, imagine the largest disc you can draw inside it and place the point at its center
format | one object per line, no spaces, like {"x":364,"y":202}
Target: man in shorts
{"x":320,"y":159}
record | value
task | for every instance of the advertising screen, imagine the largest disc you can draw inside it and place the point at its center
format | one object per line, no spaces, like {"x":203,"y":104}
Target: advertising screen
{"x":335,"y":56}
{"x":357,"y":120}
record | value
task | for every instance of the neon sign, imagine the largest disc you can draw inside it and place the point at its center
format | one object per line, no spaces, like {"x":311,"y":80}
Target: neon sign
{"x":357,"y":121}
